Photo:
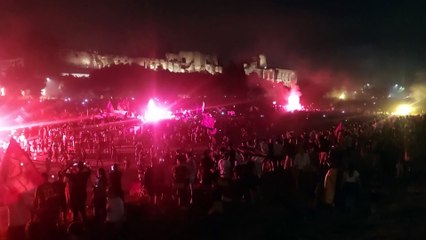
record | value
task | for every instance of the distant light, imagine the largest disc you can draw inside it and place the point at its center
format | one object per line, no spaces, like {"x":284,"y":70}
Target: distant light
{"x":47,"y":79}
{"x":133,"y":98}
{"x":403,"y":110}
{"x":43,"y":92}
{"x":274,"y":102}
{"x":223,"y":113}
{"x":342,"y":96}
{"x":21,"y":164}
{"x":52,"y":176}
{"x":154,"y":113}
{"x":324,"y":116}
{"x":85,"y":100}
{"x":343,"y":111}
{"x":396,"y":85}
{"x":3,"y":91}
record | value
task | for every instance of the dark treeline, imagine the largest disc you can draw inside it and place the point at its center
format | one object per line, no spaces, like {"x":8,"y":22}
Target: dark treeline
{"x":132,"y":80}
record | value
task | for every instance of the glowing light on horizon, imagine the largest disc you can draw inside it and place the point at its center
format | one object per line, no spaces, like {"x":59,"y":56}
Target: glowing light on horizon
{"x":293,"y":100}
{"x":404,"y":110}
{"x":342,"y":96}
{"x":154,"y":113}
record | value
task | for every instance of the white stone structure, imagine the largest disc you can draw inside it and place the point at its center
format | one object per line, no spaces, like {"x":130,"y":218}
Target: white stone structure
{"x":182,"y":62}
{"x":277,"y":75}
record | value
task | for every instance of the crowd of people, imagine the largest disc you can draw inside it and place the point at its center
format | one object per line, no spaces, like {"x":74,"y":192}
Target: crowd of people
{"x":183,"y":165}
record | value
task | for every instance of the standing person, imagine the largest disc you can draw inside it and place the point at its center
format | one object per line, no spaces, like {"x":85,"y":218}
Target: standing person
{"x":350,"y":187}
{"x":207,"y":168}
{"x":99,"y":151}
{"x":324,"y":148}
{"x":60,"y":187}
{"x":115,"y":215}
{"x":46,"y":209}
{"x":301,"y":163}
{"x":225,"y":174}
{"x":100,"y":196}
{"x":78,"y":176}
{"x":115,"y":180}
{"x":181,"y":177}
{"x":19,"y":215}
{"x":330,"y":186}
{"x":153,"y":180}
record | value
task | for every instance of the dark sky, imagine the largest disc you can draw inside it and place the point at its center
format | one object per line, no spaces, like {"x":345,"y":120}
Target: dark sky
{"x":375,"y":41}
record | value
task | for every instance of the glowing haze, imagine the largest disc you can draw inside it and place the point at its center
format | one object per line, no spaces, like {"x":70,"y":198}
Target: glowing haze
{"x":293,"y":100}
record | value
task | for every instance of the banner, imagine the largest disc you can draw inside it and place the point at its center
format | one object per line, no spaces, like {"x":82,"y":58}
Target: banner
{"x":208,"y":121}
{"x":17,"y":173}
{"x":338,"y":129}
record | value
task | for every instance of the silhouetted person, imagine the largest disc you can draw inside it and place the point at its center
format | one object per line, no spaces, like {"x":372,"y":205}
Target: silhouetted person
{"x":46,"y":208}
{"x":100,"y":196}
{"x":78,"y":176}
{"x":115,"y":181}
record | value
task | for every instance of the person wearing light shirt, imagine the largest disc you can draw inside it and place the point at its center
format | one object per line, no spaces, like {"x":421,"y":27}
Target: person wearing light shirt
{"x":301,"y":160}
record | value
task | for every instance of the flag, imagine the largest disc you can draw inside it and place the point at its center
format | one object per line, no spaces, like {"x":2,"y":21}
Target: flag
{"x":338,"y":129}
{"x":17,"y":173}
{"x":208,"y":121}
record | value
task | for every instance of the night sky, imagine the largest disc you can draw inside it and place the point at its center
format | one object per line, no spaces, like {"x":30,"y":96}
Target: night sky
{"x":331,"y":41}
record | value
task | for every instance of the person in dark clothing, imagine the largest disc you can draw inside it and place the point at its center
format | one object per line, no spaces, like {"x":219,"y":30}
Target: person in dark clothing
{"x":60,"y":186}
{"x":46,"y":210}
{"x":154,"y":178}
{"x":78,"y":176}
{"x":100,"y":196}
{"x":115,"y":181}
{"x":207,"y":168}
{"x":232,"y":155}
{"x":181,"y":176}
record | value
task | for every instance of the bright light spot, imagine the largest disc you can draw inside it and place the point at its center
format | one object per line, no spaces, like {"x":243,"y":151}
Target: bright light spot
{"x":154,"y":113}
{"x":43,"y":92}
{"x":396,"y":85}
{"x":324,"y":116}
{"x":293,"y":101}
{"x":47,"y":79}
{"x":342,"y":96}
{"x":52,"y":176}
{"x":403,"y":110}
{"x":21,"y":164}
{"x":274,"y":102}
{"x":85,"y":100}
{"x":2,"y":91}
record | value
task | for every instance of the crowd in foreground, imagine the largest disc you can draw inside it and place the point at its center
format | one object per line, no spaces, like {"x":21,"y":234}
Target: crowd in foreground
{"x":183,"y":166}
